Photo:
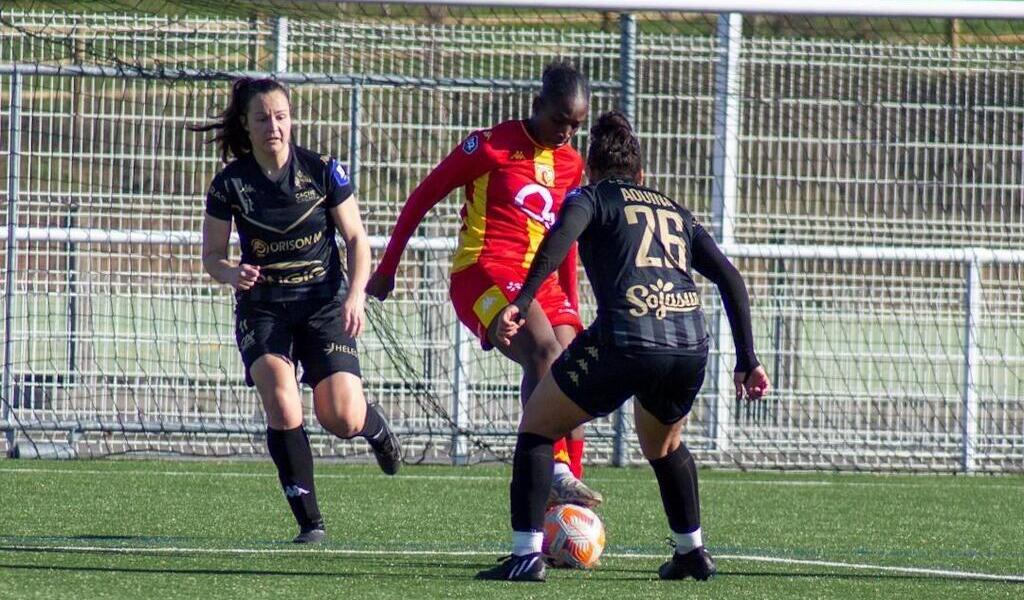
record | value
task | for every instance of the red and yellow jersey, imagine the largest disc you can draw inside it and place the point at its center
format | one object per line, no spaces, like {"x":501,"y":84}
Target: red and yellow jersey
{"x":514,"y":190}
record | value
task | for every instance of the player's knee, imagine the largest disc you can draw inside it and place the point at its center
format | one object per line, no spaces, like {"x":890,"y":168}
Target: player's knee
{"x":340,"y":423}
{"x":544,"y":355}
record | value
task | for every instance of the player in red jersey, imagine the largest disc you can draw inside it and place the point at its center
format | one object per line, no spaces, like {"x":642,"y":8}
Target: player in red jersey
{"x":515,"y":176}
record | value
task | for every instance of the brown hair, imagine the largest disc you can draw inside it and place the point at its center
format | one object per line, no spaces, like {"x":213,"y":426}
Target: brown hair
{"x":231,"y":134}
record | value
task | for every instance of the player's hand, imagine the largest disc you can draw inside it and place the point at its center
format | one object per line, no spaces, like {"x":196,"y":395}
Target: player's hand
{"x":509,"y":322}
{"x":353,"y":312}
{"x":752,"y":385}
{"x":380,"y":286}
{"x":244,"y":276}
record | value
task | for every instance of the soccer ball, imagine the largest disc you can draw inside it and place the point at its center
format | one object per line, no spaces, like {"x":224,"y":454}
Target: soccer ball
{"x":573,"y":536}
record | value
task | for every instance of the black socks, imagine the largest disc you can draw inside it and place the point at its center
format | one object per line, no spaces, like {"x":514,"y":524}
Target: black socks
{"x":373,"y":425}
{"x":677,"y":478}
{"x":294,"y":460}
{"x":531,"y":481}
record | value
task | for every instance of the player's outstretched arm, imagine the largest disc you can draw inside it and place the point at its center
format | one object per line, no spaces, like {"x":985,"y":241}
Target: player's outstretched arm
{"x":750,"y":377}
{"x":572,"y":221}
{"x":464,"y":164}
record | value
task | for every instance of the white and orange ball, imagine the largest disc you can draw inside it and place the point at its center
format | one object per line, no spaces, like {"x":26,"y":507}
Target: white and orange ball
{"x":573,"y":536}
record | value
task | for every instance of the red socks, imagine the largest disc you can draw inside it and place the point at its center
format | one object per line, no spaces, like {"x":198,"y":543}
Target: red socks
{"x":575,"y":450}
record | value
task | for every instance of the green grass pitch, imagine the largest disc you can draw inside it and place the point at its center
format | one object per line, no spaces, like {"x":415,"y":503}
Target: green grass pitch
{"x":191,"y":529}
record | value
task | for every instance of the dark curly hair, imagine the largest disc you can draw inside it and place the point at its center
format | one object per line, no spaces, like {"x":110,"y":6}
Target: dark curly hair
{"x":613,"y":148}
{"x":231,"y":134}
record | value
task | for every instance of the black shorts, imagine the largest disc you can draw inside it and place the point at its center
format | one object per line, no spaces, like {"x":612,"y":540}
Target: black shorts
{"x":308,"y":332}
{"x":600,"y":378}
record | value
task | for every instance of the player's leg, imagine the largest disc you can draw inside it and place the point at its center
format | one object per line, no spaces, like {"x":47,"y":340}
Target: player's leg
{"x":587,"y":381}
{"x":536,"y":347}
{"x":575,"y":442}
{"x":342,"y":409}
{"x":274,"y":376}
{"x":659,"y":419}
{"x":548,"y":415}
{"x":264,"y":341}
{"x":330,"y":361}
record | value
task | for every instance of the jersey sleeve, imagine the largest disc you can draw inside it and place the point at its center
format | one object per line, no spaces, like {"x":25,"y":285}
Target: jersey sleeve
{"x":471,"y":159}
{"x":339,"y":186}
{"x":573,"y":220}
{"x":709,"y":261}
{"x":217,"y":203}
{"x":568,"y":273}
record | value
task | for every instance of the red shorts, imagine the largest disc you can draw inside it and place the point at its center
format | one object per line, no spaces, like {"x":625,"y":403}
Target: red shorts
{"x":479,"y":293}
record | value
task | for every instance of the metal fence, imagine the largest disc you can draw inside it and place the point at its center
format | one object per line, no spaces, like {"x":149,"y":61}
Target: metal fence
{"x":872,"y":193}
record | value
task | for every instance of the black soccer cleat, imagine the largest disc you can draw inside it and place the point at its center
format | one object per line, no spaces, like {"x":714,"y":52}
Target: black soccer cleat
{"x":310,"y":536}
{"x":387,"y":450}
{"x":528,"y":567}
{"x":696,"y":563}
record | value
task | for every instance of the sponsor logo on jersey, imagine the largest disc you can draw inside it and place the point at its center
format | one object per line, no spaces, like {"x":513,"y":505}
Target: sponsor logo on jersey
{"x":537,"y":202}
{"x":307,"y":194}
{"x":471,"y":144}
{"x":576,"y":191}
{"x":295,"y":278}
{"x":517,"y":155}
{"x":333,"y":348}
{"x":262,"y":249}
{"x":659,"y":298}
{"x":514,"y":286}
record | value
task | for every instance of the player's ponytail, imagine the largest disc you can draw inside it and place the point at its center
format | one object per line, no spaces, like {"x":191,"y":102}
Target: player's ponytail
{"x":231,"y":135}
{"x":614,"y":149}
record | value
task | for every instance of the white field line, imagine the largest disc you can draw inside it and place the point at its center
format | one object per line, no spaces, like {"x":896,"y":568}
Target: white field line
{"x":504,"y":479}
{"x":943,"y":573}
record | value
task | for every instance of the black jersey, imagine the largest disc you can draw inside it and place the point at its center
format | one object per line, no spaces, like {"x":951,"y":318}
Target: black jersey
{"x":638,"y":247}
{"x":285,"y":226}
{"x":636,"y":252}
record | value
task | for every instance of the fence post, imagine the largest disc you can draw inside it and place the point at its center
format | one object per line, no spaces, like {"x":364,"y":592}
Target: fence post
{"x":281,"y":44}
{"x":355,"y":110}
{"x":627,"y":103}
{"x":460,"y":395}
{"x":725,"y":163}
{"x":11,"y":262}
{"x":969,"y":392}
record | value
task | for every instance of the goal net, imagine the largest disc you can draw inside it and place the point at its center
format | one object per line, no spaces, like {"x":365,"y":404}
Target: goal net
{"x":864,"y":172}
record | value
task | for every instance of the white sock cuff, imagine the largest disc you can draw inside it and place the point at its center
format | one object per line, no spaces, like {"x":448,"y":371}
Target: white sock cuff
{"x":562,"y":470}
{"x":686,"y":542}
{"x":526,"y":542}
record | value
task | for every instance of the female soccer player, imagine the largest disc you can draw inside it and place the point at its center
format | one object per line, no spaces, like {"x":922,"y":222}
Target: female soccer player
{"x":292,"y":302}
{"x":516,"y":175}
{"x":638,"y":247}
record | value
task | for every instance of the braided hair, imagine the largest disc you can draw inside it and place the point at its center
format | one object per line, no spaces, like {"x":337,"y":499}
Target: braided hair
{"x":561,"y":80}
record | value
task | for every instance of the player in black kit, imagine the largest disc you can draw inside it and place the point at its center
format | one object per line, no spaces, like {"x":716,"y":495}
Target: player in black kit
{"x":638,"y":247}
{"x":292,"y":301}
